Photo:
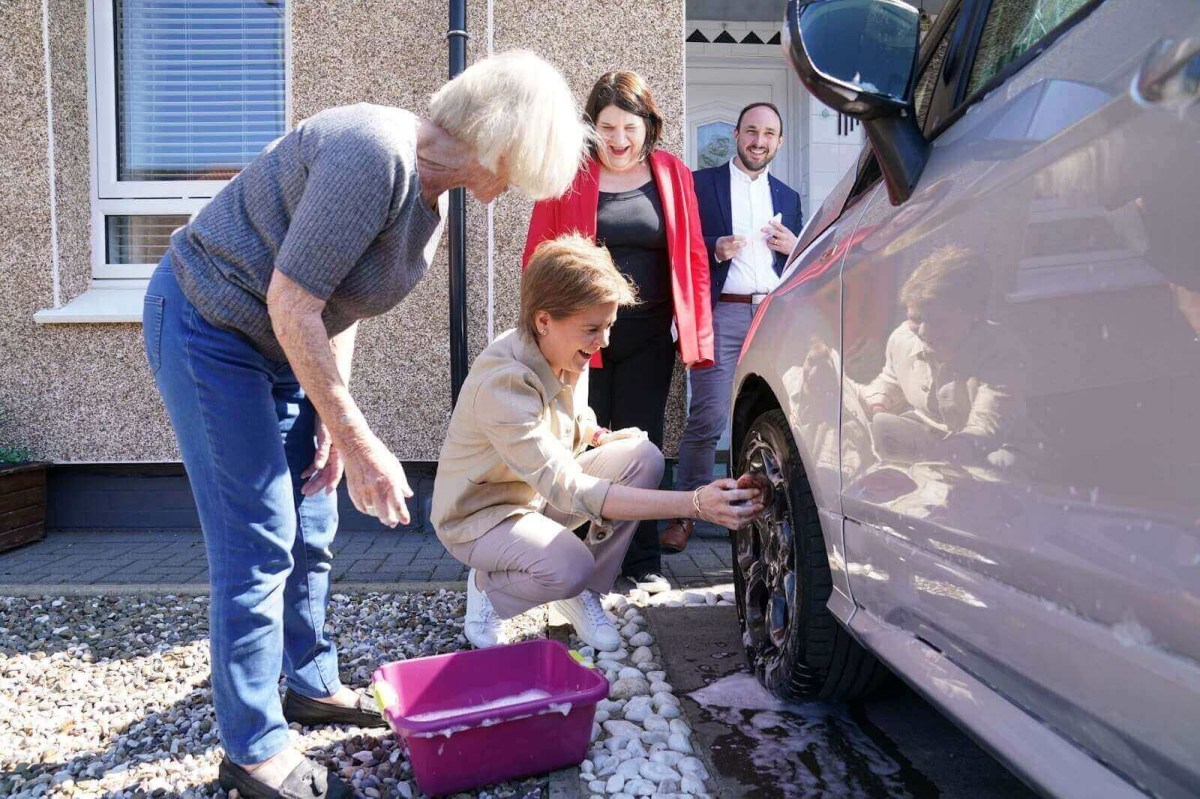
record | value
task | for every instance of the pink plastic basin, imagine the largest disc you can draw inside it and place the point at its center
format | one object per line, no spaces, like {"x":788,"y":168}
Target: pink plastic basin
{"x":473,"y":718}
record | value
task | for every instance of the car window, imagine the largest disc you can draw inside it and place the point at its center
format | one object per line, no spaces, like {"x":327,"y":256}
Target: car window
{"x":927,"y":80}
{"x":1012,"y":28}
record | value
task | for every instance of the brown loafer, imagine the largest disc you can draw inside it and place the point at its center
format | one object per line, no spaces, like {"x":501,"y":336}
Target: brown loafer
{"x":675,"y":538}
{"x":307,"y":781}
{"x":299,"y":709}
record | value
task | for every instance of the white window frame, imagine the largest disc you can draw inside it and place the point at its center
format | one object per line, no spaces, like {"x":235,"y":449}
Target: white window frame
{"x":101,"y":269}
{"x":113,"y":197}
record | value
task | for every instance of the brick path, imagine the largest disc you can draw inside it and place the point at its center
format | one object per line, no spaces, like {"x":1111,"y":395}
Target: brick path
{"x":73,"y":559}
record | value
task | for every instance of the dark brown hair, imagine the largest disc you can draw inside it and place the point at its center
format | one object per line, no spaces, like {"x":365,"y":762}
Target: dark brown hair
{"x":764,"y":104}
{"x":629,"y":92}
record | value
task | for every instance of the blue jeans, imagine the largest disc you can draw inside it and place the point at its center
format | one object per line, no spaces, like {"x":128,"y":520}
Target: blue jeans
{"x":708,"y":409}
{"x":246,"y":431}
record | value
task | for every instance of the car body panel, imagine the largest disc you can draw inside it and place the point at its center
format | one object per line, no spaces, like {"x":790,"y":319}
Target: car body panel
{"x":1060,"y":564}
{"x":804,"y":312}
{"x":1120,"y":692}
{"x":807,"y":308}
{"x":1041,"y":757}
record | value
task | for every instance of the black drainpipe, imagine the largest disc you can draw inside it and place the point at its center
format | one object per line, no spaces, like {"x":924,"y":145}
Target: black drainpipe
{"x":457,"y":223}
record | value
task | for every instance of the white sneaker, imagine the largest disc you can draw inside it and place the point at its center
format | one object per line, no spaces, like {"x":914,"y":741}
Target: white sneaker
{"x":482,"y":626}
{"x":590,"y":621}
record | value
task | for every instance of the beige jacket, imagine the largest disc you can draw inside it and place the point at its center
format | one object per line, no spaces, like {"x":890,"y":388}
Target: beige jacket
{"x":982,"y":394}
{"x":512,"y":444}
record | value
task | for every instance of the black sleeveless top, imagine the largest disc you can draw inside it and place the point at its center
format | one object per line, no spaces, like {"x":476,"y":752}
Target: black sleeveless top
{"x":632,"y":226}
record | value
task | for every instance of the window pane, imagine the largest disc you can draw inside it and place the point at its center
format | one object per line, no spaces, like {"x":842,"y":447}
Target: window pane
{"x":1012,"y":28}
{"x":200,"y":86}
{"x":139,"y":239}
{"x":928,"y":79}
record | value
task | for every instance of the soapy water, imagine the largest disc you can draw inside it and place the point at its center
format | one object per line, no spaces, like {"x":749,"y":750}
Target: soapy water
{"x":801,"y":749}
{"x":564,"y":708}
{"x":505,"y":701}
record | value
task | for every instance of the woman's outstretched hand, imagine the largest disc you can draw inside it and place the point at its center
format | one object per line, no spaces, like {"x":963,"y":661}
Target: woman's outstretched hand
{"x":729,"y":503}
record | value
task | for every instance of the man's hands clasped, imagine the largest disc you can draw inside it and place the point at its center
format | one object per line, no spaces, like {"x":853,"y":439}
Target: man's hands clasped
{"x":779,"y":238}
{"x":728,"y":246}
{"x":776,"y":235}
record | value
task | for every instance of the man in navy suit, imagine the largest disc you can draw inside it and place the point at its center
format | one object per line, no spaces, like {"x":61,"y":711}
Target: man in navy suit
{"x":750,"y":222}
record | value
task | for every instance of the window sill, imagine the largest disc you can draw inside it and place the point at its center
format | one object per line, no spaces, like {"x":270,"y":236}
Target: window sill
{"x":105,"y":302}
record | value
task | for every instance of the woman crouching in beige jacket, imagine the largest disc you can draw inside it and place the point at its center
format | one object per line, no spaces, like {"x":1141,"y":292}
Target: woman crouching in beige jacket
{"x":524,"y":463}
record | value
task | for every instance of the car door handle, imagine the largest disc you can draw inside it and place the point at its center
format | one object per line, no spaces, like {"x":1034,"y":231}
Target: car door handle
{"x":1171,"y":72}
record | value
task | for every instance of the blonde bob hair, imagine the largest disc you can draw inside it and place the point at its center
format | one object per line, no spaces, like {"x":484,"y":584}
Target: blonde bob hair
{"x":568,"y":275}
{"x":517,"y":108}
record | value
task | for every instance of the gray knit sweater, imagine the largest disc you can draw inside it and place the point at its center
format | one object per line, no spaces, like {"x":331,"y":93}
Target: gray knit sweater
{"x":335,"y":205}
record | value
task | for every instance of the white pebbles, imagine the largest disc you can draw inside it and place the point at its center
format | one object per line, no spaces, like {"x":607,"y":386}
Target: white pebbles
{"x":641,"y":746}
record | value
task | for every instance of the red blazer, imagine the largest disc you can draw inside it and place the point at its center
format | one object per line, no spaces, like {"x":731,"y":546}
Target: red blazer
{"x":575,"y":211}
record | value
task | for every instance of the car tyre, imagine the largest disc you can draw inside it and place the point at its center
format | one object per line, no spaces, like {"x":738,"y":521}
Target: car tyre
{"x":795,"y":646}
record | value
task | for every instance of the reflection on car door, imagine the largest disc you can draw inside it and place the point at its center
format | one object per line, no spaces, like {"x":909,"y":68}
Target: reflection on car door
{"x":1020,"y":431}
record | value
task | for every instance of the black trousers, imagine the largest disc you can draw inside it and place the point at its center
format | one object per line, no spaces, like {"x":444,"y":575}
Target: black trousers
{"x":631,"y":391}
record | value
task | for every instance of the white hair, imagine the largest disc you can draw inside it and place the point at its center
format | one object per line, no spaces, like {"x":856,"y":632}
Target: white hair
{"x":516,"y":107}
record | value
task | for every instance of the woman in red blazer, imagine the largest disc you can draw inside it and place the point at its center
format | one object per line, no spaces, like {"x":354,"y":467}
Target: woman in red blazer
{"x":639,"y":202}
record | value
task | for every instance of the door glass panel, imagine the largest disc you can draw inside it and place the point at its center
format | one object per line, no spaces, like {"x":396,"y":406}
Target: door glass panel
{"x":1012,"y":28}
{"x":714,"y":144}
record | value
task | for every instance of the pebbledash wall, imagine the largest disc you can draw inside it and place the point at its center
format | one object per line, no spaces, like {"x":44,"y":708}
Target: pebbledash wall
{"x":81,"y":393}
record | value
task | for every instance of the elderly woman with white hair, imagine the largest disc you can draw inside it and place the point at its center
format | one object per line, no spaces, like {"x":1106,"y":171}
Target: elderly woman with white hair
{"x":249,"y":328}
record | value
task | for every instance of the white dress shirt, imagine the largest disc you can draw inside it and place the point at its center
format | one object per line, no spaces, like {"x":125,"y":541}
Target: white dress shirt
{"x":753,"y":268}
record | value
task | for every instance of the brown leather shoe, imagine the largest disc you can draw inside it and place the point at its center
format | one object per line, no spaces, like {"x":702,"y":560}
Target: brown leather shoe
{"x":675,"y":538}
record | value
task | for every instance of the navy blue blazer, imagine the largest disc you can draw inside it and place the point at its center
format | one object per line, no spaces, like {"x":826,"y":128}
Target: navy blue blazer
{"x":716,"y":216}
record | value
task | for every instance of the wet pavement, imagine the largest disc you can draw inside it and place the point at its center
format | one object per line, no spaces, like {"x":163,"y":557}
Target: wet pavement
{"x":894,"y":745}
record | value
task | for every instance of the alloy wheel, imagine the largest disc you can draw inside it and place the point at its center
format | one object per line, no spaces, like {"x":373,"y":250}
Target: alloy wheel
{"x":765,"y":568}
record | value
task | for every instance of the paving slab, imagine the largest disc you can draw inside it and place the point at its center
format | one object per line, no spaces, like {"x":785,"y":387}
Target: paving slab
{"x":175,"y":560}
{"x":755,"y":746}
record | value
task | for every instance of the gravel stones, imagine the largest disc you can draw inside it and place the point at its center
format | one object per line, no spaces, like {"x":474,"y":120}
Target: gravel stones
{"x":622,"y":729}
{"x":110,"y":696}
{"x":656,"y":723}
{"x":629,"y":687}
{"x":679,"y":743}
{"x":693,"y":598}
{"x":641,"y":655}
{"x":641,"y":639}
{"x":638,"y":709}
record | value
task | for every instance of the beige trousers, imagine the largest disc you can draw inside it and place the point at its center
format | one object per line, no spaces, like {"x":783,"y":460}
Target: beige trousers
{"x":533,"y":559}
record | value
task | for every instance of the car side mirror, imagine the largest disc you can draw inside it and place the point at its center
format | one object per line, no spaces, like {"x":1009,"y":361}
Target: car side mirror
{"x":859,"y":57}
